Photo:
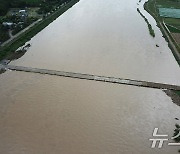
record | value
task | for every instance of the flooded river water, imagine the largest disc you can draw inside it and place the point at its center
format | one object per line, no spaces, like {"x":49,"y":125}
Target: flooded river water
{"x":47,"y":114}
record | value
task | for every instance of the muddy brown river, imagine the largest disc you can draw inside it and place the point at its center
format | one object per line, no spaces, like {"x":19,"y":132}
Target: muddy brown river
{"x":43,"y":114}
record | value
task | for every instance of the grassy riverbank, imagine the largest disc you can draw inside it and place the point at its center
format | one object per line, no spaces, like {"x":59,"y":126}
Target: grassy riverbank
{"x":175,"y":96}
{"x":177,"y":92}
{"x":151,"y":30}
{"x":151,"y":7}
{"x":12,"y":46}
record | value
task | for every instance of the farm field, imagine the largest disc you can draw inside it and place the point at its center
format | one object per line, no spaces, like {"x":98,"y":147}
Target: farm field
{"x":167,"y":12}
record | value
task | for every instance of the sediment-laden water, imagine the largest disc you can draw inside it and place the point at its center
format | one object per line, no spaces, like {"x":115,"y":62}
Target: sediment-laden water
{"x":48,"y":114}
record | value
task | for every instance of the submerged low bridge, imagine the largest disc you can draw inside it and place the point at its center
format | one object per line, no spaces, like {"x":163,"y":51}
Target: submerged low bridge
{"x":93,"y":77}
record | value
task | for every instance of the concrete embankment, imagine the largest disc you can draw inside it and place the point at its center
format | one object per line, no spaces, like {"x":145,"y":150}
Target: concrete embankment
{"x":93,"y":77}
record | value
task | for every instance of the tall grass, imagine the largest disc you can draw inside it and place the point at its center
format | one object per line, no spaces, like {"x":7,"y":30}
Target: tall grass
{"x":151,"y":30}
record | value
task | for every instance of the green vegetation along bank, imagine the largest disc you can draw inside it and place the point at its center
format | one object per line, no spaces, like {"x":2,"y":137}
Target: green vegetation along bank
{"x":8,"y":51}
{"x":170,"y":26}
{"x":44,"y":5}
{"x":16,"y":15}
{"x":151,"y":30}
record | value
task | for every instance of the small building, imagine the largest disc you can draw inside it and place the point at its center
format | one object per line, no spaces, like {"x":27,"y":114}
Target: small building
{"x":22,"y":11}
{"x":23,"y":14}
{"x":8,"y":24}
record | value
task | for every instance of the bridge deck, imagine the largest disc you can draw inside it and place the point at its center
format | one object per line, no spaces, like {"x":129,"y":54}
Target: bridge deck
{"x":94,"y":77}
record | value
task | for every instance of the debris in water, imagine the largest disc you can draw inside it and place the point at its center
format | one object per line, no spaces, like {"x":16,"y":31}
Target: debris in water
{"x":157,"y":45}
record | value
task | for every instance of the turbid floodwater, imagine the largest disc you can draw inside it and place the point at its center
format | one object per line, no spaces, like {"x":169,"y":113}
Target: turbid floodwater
{"x":42,"y":114}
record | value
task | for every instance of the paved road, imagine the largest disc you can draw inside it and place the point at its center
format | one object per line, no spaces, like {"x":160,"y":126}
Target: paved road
{"x":175,"y":50}
{"x":18,"y":34}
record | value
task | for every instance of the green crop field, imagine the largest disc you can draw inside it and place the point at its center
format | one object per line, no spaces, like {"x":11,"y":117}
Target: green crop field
{"x":169,"y":12}
{"x":168,"y":3}
{"x":173,"y":22}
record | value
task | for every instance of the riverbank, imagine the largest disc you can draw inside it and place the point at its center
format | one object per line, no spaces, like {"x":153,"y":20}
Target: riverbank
{"x":13,"y":37}
{"x":151,"y":30}
{"x":7,"y":51}
{"x":150,"y":7}
{"x":175,"y":96}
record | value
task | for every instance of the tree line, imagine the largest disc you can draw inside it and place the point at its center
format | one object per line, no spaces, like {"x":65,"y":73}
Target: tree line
{"x":6,"y":4}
